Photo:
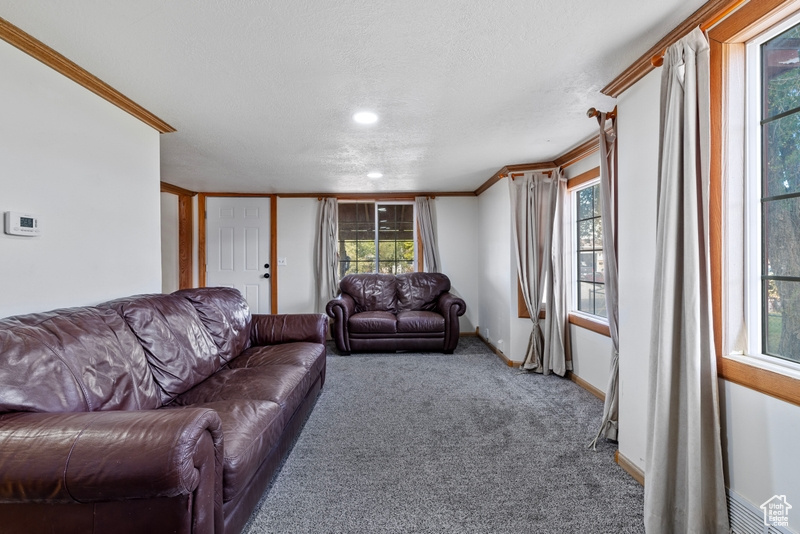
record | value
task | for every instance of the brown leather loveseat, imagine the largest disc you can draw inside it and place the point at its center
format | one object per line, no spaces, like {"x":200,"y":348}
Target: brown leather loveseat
{"x":153,"y":413}
{"x":384,"y":312}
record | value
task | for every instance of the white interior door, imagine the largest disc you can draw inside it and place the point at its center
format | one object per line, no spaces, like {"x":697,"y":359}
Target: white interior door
{"x":238,"y":247}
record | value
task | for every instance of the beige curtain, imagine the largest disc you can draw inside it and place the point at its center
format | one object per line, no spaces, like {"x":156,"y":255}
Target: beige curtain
{"x":536,"y":228}
{"x":327,"y":252}
{"x":608,"y":192}
{"x":426,"y":222}
{"x":685,"y":486}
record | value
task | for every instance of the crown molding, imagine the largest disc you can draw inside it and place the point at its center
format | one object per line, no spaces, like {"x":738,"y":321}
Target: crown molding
{"x":38,"y":50}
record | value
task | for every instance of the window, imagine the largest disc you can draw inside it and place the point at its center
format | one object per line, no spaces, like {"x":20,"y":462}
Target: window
{"x":754,"y":213}
{"x":589,"y":286}
{"x":376,"y":237}
{"x":772,"y":192}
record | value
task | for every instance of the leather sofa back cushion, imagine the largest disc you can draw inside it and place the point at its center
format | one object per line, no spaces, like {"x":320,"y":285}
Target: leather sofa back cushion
{"x":371,"y":292}
{"x":179,"y":349}
{"x":419,"y":291}
{"x":73,"y":360}
{"x":226,"y":316}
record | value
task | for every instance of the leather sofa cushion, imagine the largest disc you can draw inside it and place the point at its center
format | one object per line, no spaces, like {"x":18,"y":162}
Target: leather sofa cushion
{"x":251,"y":428}
{"x":179,"y":349}
{"x":285,"y":385}
{"x":371,"y":292}
{"x":419,"y":291}
{"x":307,"y":355}
{"x":373,"y":322}
{"x":419,"y":322}
{"x":73,"y":360}
{"x":226,"y":316}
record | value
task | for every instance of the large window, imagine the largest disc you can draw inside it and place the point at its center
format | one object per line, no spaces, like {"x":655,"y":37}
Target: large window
{"x":589,"y":288}
{"x":376,"y":237}
{"x":754,"y":212}
{"x":773,"y":192}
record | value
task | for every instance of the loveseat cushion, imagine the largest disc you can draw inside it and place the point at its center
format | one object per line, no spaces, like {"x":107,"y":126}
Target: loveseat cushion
{"x":418,"y":322}
{"x":419,"y":291}
{"x":286,"y":385}
{"x":373,"y":322}
{"x":226,"y":316}
{"x":251,"y":428}
{"x":179,"y":349}
{"x":371,"y":292}
{"x":73,"y":360}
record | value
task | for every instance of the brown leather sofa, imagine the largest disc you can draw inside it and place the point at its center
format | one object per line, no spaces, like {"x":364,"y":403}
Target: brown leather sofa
{"x":153,"y":413}
{"x":387,"y":313}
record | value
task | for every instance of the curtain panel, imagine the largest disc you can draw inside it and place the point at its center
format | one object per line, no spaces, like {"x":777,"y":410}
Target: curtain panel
{"x":608,"y":192}
{"x":327,"y":252}
{"x":426,"y":223}
{"x":685,"y":486}
{"x":537,"y":229}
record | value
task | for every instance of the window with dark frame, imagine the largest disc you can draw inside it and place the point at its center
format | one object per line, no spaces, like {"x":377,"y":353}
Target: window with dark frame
{"x":591,"y":294}
{"x":376,"y":237}
{"x":780,"y":194}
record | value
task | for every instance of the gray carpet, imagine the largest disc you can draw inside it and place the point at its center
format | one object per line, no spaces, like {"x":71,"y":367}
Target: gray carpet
{"x":405,"y":443}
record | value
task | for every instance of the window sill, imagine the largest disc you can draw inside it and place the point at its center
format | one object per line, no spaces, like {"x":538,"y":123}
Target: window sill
{"x":745,"y":371}
{"x":595,"y":325}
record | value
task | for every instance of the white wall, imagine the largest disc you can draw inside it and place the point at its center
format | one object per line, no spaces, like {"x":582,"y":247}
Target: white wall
{"x":297,"y":232}
{"x":91,"y":173}
{"x":638,"y":175}
{"x":495,"y":271}
{"x":591,"y":356}
{"x":457,"y":233}
{"x":170,"y":268}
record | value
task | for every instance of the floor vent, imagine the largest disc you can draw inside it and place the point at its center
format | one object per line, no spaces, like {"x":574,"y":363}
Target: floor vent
{"x":747,"y":518}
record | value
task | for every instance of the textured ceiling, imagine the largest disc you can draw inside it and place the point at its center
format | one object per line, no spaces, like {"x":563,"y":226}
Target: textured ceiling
{"x":262,"y":93}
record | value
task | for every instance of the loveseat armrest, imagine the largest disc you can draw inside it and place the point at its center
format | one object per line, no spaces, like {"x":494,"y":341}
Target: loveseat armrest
{"x":105,"y":456}
{"x":340,"y":310}
{"x":451,"y":307}
{"x":289,"y":328}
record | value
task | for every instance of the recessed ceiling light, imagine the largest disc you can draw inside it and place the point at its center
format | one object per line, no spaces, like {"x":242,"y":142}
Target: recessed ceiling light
{"x":375,"y":175}
{"x":365,"y":117}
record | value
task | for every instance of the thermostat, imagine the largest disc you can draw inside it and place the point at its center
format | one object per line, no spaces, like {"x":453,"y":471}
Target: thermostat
{"x":17,"y":223}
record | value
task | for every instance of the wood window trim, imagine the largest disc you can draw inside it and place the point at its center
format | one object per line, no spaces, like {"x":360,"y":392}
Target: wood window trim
{"x":594,"y":325}
{"x":726,"y":41}
{"x":583,"y":178}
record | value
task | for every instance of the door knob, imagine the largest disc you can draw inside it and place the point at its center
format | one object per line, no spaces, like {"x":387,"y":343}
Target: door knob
{"x":266,"y":275}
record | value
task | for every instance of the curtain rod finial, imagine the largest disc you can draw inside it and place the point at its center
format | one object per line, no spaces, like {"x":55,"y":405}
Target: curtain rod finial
{"x":592,"y":112}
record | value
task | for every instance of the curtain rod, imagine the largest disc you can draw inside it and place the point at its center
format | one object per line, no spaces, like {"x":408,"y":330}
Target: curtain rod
{"x":658,"y":59}
{"x":593,"y":112}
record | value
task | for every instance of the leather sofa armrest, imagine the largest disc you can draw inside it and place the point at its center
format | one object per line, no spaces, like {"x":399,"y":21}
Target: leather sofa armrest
{"x":447,"y":304}
{"x":114,"y":455}
{"x":275,"y":329}
{"x":451,"y":307}
{"x":341,"y":309}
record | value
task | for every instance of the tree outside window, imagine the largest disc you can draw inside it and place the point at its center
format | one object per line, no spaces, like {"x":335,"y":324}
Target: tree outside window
{"x":780,"y":195}
{"x":590,"y":266}
{"x":376,"y":237}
